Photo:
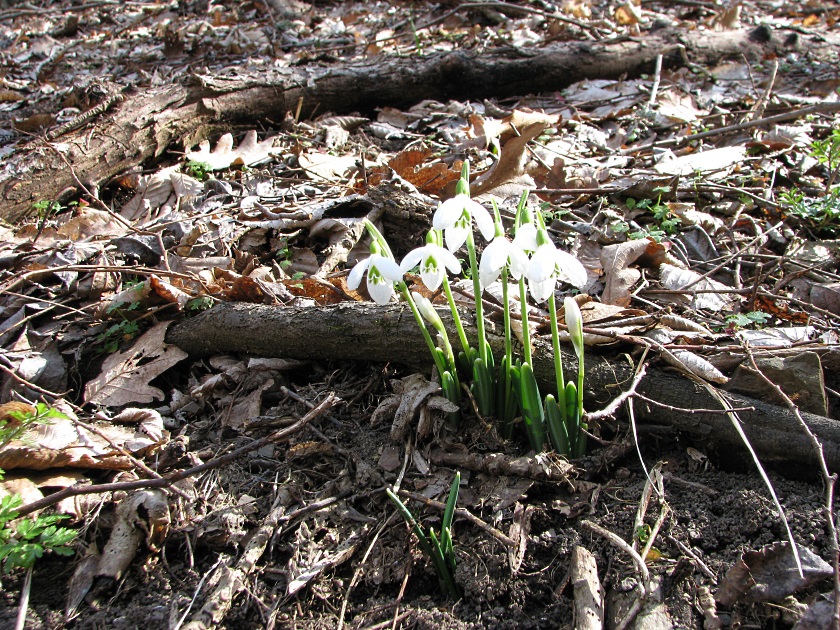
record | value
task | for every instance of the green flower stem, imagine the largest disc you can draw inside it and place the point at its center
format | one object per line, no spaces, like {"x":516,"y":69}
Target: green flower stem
{"x":456,"y":317}
{"x":558,"y":358}
{"x":479,"y":307}
{"x":526,"y":330}
{"x":422,"y":324}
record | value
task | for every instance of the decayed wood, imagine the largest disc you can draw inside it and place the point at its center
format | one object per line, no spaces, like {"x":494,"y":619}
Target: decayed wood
{"x":589,"y":600}
{"x":151,"y":121}
{"x":366,"y":332}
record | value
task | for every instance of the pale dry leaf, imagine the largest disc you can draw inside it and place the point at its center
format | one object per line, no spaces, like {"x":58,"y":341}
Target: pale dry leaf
{"x":703,"y":161}
{"x":330,"y":168}
{"x":619,"y":278}
{"x":249,"y":152}
{"x":125,"y":375}
{"x":675,"y":278}
{"x":694,"y":364}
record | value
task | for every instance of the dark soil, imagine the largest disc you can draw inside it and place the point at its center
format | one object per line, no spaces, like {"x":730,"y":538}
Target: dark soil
{"x":719,"y":514}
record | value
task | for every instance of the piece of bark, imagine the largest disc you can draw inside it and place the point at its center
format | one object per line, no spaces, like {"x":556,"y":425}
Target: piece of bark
{"x":589,"y":599}
{"x":148,"y":122}
{"x":367,"y":332}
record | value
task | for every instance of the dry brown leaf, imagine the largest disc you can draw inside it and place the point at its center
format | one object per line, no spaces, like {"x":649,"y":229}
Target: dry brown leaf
{"x":125,"y":375}
{"x":511,"y":164}
{"x":619,"y":278}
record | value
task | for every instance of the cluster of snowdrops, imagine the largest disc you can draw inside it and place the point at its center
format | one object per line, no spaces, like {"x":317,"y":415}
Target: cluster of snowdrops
{"x":535,"y":265}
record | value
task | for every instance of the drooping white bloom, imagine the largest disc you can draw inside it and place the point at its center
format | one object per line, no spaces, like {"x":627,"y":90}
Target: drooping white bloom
{"x":574,"y":321}
{"x":496,"y":255}
{"x":526,"y":237}
{"x":454,"y":216}
{"x":433,"y":260}
{"x":547,"y":266}
{"x":382,"y":273}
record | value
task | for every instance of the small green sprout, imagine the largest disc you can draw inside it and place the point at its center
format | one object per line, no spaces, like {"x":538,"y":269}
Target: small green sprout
{"x":438,"y":548}
{"x":200,"y":303}
{"x":199,"y":170}
{"x":742,"y":320}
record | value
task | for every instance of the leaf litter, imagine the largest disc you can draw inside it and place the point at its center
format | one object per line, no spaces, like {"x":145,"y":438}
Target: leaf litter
{"x":89,"y":291}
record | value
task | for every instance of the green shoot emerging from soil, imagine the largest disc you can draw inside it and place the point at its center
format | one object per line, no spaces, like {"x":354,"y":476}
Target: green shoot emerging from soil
{"x":438,"y":547}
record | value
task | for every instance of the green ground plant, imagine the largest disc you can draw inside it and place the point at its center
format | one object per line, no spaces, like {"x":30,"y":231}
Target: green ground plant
{"x":24,"y":541}
{"x":438,"y":547}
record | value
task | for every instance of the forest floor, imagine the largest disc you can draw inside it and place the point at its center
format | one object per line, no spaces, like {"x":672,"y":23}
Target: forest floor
{"x":740,"y":237}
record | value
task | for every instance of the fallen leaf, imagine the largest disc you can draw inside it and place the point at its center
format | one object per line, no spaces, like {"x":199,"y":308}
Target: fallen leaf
{"x":125,"y":375}
{"x":619,"y":278}
{"x":674,"y":278}
{"x":511,"y":164}
{"x":770,"y":574}
{"x":249,"y":152}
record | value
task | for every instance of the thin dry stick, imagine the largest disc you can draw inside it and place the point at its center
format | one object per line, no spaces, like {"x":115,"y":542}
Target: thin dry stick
{"x":694,"y":557}
{"x":20,"y":620}
{"x":358,"y":570}
{"x":739,"y":429}
{"x":829,"y":480}
{"x":28,"y":385}
{"x":761,"y":104}
{"x":464,"y":513}
{"x":615,"y":403}
{"x":168,"y":480}
{"x":641,"y":567}
{"x":664,"y":510}
{"x":741,"y":251}
{"x":22,"y":278}
{"x":689,"y":411}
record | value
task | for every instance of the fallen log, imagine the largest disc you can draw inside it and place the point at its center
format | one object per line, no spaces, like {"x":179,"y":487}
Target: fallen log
{"x":366,"y":332}
{"x":142,"y":125}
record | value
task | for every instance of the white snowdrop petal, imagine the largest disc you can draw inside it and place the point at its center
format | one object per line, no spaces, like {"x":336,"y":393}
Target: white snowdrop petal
{"x":574,"y":320}
{"x":381,"y":291}
{"x":448,"y":258}
{"x":518,"y":261}
{"x":456,"y":236}
{"x":449,"y":212}
{"x":354,"y":279}
{"x":412,"y":259}
{"x":541,"y":291}
{"x":571,"y":268}
{"x":424,"y":306}
{"x":483,"y":219}
{"x":432,"y":277}
{"x":526,"y":237}
{"x":542,"y":263}
{"x":388,"y":268}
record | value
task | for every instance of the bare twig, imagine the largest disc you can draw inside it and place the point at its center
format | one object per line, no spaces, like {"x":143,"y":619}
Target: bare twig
{"x":168,"y":480}
{"x":616,"y":402}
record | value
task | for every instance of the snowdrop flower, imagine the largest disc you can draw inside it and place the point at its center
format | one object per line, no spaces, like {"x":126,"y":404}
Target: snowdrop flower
{"x":455,"y":215}
{"x":574,"y":321}
{"x":382,"y":273}
{"x":432,"y":259}
{"x":497,"y":254}
{"x":526,"y":238}
{"x":549,"y":264}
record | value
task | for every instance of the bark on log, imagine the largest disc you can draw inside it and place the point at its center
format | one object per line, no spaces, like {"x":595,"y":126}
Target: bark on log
{"x":366,"y":332}
{"x":151,"y":121}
